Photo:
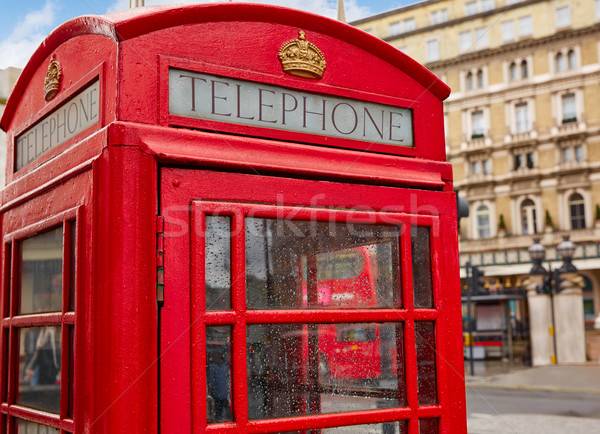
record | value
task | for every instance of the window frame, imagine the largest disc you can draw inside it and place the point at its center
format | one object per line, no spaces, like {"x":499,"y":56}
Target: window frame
{"x":430,"y":52}
{"x":562,"y":19}
{"x":525,"y":26}
{"x":576,"y":220}
{"x":239,"y":316}
{"x":13,"y":322}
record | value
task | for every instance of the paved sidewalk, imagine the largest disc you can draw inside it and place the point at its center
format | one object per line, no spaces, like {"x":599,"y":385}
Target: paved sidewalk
{"x":563,"y":378}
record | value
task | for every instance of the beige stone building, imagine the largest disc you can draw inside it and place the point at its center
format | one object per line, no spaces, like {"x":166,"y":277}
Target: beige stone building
{"x":522,"y":124}
{"x":8,"y":78}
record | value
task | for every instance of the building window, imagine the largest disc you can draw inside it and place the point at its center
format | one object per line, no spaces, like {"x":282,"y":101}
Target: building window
{"x":513,"y":71}
{"x":569,"y":108}
{"x":560,"y":63}
{"x":528,"y":217}
{"x":572,"y":154}
{"x":483,"y":221}
{"x":395,"y":28}
{"x":464,"y":41}
{"x":577,"y":211}
{"x":409,"y":25}
{"x":471,"y":8}
{"x":487,"y":5}
{"x":525,"y":27}
{"x":480,"y":82}
{"x":485,"y":167}
{"x":508,"y":31}
{"x":524,"y":69}
{"x":481,"y":38}
{"x":579,"y":154}
{"x":563,"y":17}
{"x":518,"y":70}
{"x":572,"y":60}
{"x":477,"y":125}
{"x":433,"y":50}
{"x":469,"y":80}
{"x":522,"y":124}
{"x":523,"y":159}
{"x":480,"y":167}
{"x":444,"y":14}
{"x":597,"y":9}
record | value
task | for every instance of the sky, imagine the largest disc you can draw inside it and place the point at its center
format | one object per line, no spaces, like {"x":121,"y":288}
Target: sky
{"x":25,"y":23}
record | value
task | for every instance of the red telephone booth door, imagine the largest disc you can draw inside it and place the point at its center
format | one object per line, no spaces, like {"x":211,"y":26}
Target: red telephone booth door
{"x":300,"y":306}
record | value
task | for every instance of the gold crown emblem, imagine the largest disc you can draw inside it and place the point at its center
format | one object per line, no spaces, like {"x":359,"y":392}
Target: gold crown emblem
{"x":52,"y":81}
{"x":302,"y":58}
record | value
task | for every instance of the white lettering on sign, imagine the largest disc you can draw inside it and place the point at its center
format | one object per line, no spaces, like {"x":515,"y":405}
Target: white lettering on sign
{"x":203,"y":96}
{"x":69,"y":119}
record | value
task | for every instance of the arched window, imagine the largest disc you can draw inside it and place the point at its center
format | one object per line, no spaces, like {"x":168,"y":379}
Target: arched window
{"x":483,"y":221}
{"x":524,"y":70}
{"x":560,"y":63}
{"x":577,"y":211}
{"x":513,"y":71}
{"x":572,"y":60}
{"x":528,"y":217}
{"x":470,"y":81}
{"x":480,"y":79}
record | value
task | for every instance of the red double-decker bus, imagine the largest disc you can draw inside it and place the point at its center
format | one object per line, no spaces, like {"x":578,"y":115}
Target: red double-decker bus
{"x":348,"y":279}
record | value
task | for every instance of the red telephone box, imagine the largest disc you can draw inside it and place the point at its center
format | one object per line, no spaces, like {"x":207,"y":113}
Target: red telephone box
{"x":227,"y":218}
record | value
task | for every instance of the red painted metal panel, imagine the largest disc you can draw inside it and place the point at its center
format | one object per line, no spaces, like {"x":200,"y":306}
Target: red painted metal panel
{"x":109,"y":179}
{"x":295,"y":198}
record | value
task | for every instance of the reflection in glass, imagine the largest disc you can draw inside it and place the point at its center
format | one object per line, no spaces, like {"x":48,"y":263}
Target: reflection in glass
{"x":421,"y":266}
{"x":218,"y":263}
{"x":301,"y":264}
{"x":218,"y":373}
{"x":27,"y":427}
{"x":72,"y":254}
{"x":428,"y":426}
{"x":426,"y":369}
{"x":296,"y":369}
{"x":39,"y":368}
{"x":376,"y":428}
{"x":41,"y":272}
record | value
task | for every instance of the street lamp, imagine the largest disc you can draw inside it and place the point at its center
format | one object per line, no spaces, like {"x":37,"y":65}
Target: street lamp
{"x":566,"y":250}
{"x":537,"y":252}
{"x":551,"y":280}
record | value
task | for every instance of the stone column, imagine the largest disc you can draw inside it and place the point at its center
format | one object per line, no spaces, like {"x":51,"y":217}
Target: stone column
{"x":570,"y":323}
{"x":540,"y":320}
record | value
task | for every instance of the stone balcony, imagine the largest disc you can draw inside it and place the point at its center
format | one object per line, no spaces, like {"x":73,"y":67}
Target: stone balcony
{"x":511,"y":250}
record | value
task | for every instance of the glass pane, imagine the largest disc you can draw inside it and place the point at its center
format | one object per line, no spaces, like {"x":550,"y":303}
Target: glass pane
{"x":71,"y":371}
{"x":377,"y":428}
{"x":41,"y":272}
{"x":299,"y":369}
{"x":421,"y":266}
{"x":39,"y":368}
{"x":428,"y":426}
{"x":300,"y":265}
{"x":426,"y":369}
{"x":72,"y":263}
{"x":218,"y":373}
{"x":218,"y":263}
{"x":5,"y":336}
{"x":27,"y":427}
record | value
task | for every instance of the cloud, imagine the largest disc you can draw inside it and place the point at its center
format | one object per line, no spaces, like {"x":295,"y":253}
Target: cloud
{"x":27,"y":35}
{"x":326,"y":8}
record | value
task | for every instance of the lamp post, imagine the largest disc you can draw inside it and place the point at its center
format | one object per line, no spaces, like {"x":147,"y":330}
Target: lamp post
{"x":551,"y":280}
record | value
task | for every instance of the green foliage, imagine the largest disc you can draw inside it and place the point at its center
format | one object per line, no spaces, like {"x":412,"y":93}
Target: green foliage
{"x":548,"y":219}
{"x":501,"y":224}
